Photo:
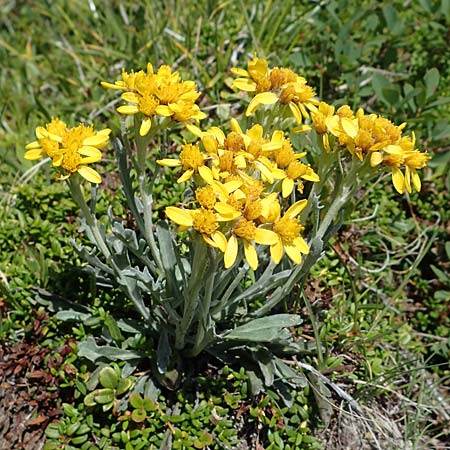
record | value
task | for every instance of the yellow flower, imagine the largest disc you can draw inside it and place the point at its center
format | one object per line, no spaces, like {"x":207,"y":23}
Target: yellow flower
{"x":414,"y":160}
{"x":157,"y":94}
{"x":399,"y":155}
{"x":296,"y":171}
{"x":70,"y":149}
{"x":319,"y":118}
{"x":192,"y":161}
{"x":275,"y":85}
{"x":203,"y":221}
{"x":289,"y":238}
{"x":48,"y":141}
{"x":246,"y":231}
{"x":255,"y":78}
{"x":299,"y":97}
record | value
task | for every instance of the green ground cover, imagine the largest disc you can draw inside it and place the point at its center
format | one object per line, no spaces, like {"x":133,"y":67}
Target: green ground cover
{"x":380,"y":295}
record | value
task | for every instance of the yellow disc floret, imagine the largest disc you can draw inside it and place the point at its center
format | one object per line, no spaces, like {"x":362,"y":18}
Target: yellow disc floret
{"x":288,"y":229}
{"x":245,"y":229}
{"x":234,"y":142}
{"x":191,"y":157}
{"x":205,"y":221}
{"x":206,"y":197}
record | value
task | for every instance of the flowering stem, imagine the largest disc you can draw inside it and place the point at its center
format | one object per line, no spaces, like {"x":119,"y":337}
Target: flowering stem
{"x":147,"y":197}
{"x":201,"y":339}
{"x":91,"y":220}
{"x":196,"y":281}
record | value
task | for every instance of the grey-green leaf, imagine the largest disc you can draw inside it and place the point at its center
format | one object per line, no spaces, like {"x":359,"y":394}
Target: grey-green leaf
{"x":265,"y":329}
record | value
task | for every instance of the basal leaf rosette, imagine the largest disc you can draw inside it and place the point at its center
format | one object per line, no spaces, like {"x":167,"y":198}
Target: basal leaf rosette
{"x":160,"y":94}
{"x":278,"y":85}
{"x":244,"y":180}
{"x":70,"y":149}
{"x":373,"y":137}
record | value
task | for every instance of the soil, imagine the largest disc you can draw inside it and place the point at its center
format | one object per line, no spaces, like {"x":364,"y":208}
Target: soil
{"x":30,"y":397}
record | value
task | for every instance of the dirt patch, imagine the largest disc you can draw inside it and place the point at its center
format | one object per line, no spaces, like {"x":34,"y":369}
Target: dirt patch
{"x":29,"y":393}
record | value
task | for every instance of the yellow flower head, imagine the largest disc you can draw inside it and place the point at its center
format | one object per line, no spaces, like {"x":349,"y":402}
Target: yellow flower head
{"x":70,"y":149}
{"x":289,"y":239}
{"x":157,"y":94}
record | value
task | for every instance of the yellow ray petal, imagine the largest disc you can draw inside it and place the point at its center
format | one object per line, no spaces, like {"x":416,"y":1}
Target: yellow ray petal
{"x":310,"y":175}
{"x":376,"y":158}
{"x":301,"y":245}
{"x":239,"y":72}
{"x":179,"y":216}
{"x":349,"y":127}
{"x":287,"y":187}
{"x":128,"y":109}
{"x":130,"y":97}
{"x":210,"y":143}
{"x":107,"y":85}
{"x":87,"y":150}
{"x":267,"y":174}
{"x":33,"y":145}
{"x":168,"y":162}
{"x":34,"y":154}
{"x":250,"y":255}
{"x":416,"y":180}
{"x":333,"y":125}
{"x":293,"y":253}
{"x":265,"y":237}
{"x":206,"y":174}
{"x":264,"y":98}
{"x":89,"y":174}
{"x":296,"y":208}
{"x":231,"y":252}
{"x":226,"y":211}
{"x":186,"y":176}
{"x":145,"y":127}
{"x":235,"y":126}
{"x":276,"y":251}
{"x":220,"y":240}
{"x":244,"y":84}
{"x":398,"y":180}
{"x":57,"y":160}
{"x":41,"y":132}
{"x":408,"y":179}
{"x":164,"y":110}
{"x":296,"y":112}
{"x":194,"y":130}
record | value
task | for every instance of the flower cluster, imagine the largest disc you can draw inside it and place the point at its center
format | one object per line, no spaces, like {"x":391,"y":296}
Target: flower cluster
{"x":70,"y":149}
{"x":157,"y":94}
{"x":240,"y":176}
{"x":375,"y":137}
{"x":278,"y":85}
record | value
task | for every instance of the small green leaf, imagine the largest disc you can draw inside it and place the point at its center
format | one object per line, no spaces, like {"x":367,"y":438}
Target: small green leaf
{"x":79,"y":439}
{"x":108,"y":378}
{"x":136,"y":401}
{"x":149,"y":405}
{"x":123,"y":386}
{"x":52,"y":431}
{"x":138,"y":415}
{"x":103,"y":396}
{"x":72,"y":428}
{"x":203,"y":440}
{"x":89,"y":400}
{"x":113,"y":329}
{"x":431,"y":81}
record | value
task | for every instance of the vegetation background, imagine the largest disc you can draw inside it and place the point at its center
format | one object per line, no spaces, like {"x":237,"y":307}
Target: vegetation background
{"x":380,"y":294}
